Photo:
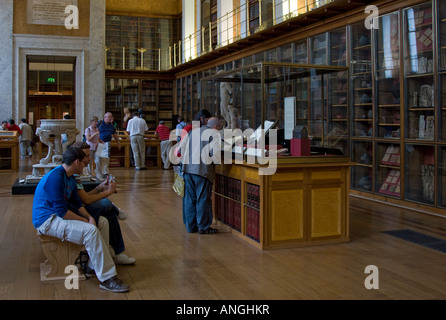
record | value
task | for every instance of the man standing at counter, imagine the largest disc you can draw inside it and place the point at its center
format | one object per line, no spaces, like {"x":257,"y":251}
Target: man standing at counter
{"x":136,"y":127}
{"x":199,"y":176}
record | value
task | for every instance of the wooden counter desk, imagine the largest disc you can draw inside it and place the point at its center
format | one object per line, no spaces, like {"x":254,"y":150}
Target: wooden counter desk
{"x":121,"y":158}
{"x":9,"y":150}
{"x":304,"y":203}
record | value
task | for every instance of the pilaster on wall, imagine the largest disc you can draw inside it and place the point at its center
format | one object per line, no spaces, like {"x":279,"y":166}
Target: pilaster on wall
{"x":95,"y":81}
{"x":6,"y":60}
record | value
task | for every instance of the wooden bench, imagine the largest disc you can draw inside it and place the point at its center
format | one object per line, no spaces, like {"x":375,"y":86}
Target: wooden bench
{"x":59,"y":254}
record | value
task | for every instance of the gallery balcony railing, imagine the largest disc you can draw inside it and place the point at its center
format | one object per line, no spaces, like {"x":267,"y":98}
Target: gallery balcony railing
{"x":240,"y":23}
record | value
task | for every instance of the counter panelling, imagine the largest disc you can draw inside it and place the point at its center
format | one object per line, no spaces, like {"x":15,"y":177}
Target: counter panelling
{"x":9,"y":150}
{"x":304,"y":203}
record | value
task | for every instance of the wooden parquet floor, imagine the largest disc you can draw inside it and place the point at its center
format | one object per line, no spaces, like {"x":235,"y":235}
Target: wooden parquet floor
{"x":174,"y":265}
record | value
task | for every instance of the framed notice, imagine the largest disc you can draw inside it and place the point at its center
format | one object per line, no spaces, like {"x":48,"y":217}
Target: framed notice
{"x":48,"y":12}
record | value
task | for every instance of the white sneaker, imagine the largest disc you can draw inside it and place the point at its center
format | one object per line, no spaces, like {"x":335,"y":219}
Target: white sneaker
{"x":121,"y":215}
{"x":123,"y":259}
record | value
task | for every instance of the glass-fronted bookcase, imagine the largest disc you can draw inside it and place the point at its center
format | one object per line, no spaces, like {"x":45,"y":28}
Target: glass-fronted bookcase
{"x":441,"y":96}
{"x":419,"y":104}
{"x":362,"y":107}
{"x":388,"y":101}
{"x":395,"y":100}
{"x":398,"y":95}
{"x":153,"y":97}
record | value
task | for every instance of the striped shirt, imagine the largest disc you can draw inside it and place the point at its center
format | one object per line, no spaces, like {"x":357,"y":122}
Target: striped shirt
{"x":163,"y":132}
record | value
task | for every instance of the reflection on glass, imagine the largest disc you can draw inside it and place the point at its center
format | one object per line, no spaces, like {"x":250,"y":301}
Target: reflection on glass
{"x":419,"y":78}
{"x":387,"y":77}
{"x":419,"y":173}
{"x":257,"y":93}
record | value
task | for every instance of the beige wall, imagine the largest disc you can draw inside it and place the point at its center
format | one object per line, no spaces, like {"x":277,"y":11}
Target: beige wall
{"x":20,"y":25}
{"x":145,"y":7}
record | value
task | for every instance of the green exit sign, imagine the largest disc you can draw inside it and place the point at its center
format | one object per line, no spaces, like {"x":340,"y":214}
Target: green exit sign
{"x":51,"y":80}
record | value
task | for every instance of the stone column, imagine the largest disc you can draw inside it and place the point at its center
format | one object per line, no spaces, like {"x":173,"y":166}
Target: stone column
{"x":6,"y":65}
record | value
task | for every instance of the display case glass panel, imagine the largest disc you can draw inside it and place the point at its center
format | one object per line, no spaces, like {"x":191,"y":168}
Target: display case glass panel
{"x":442,"y":176}
{"x":265,"y":92}
{"x":442,"y":69}
{"x":319,"y":49}
{"x":361,"y":81}
{"x":251,"y":90}
{"x":387,"y":76}
{"x":442,"y":102}
{"x":419,"y":175}
{"x":285,"y":53}
{"x":419,"y":72}
{"x":362,"y":172}
{"x":301,"y":52}
{"x":388,"y":173}
{"x":442,"y":34}
{"x":338,"y":47}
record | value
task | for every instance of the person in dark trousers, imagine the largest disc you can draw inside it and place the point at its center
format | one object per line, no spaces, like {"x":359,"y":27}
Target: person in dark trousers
{"x":199,"y":175}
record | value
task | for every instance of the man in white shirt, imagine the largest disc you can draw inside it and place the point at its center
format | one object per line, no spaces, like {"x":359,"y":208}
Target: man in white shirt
{"x":136,"y":128}
{"x":25,"y":139}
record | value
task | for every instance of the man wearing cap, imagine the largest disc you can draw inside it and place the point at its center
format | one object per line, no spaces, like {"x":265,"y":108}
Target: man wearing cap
{"x":163,"y":133}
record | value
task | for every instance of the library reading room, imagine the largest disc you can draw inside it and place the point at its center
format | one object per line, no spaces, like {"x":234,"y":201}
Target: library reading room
{"x":159,"y":150}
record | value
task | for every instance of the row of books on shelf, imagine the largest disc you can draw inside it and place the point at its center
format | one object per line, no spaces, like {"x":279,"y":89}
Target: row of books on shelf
{"x":253,"y":224}
{"x":166,"y":85}
{"x":165,"y":114}
{"x":149,"y":108}
{"x":253,"y":195}
{"x":228,"y":212}
{"x":228,"y":187}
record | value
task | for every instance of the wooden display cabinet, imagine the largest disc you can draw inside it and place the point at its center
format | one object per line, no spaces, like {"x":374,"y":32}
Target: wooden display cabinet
{"x":9,"y":150}
{"x":304,"y":203}
{"x":153,"y":155}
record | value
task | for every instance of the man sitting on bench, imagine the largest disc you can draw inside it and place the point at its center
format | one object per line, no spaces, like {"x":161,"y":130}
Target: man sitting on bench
{"x":52,"y":217}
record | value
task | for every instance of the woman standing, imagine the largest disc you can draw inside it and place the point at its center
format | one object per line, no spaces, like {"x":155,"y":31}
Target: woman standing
{"x":92,"y":138}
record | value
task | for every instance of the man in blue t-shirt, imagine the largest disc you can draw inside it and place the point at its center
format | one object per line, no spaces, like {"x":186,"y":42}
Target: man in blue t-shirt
{"x":107,"y":131}
{"x":58,"y":212}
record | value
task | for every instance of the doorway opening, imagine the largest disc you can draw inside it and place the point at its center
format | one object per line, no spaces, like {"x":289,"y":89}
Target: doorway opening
{"x":50,"y":88}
